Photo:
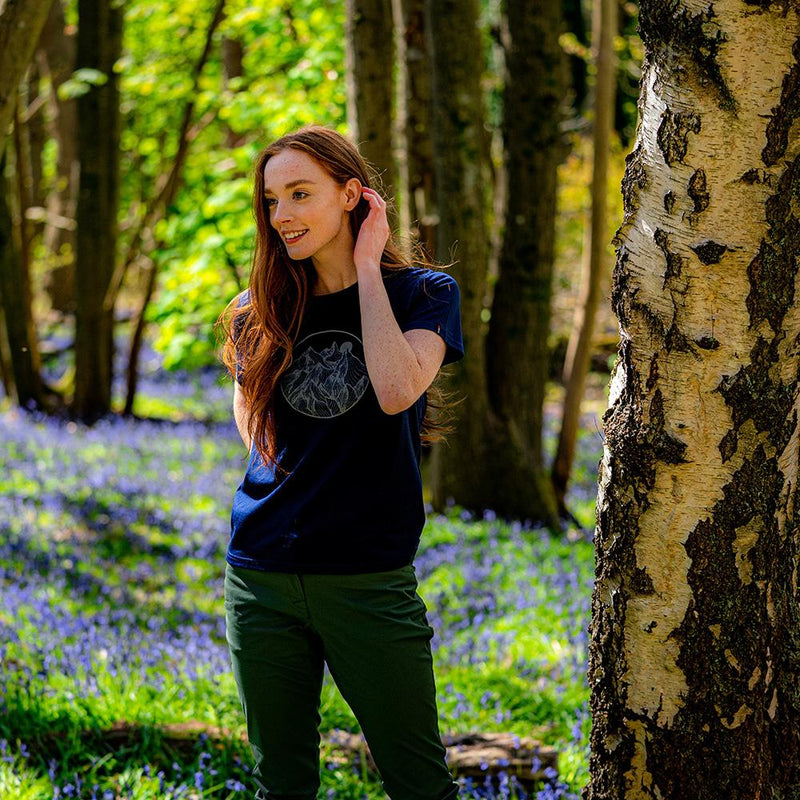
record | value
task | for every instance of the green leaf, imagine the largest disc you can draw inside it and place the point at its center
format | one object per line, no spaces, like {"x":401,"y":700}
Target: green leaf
{"x":80,"y":82}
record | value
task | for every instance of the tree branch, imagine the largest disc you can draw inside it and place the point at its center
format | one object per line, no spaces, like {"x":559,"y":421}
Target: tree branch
{"x":156,"y":209}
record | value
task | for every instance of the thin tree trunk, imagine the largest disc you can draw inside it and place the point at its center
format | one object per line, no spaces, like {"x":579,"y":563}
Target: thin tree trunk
{"x":5,"y":348}
{"x":576,"y":363}
{"x":518,"y":357}
{"x":136,"y":340}
{"x":22,"y":172}
{"x":576,"y":25}
{"x":36,"y":136}
{"x":232,"y":67}
{"x":695,"y":643}
{"x":158,"y":211}
{"x":23,"y":381}
{"x":99,"y":46}
{"x":497,"y":152}
{"x":414,"y":111}
{"x":55,"y":59}
{"x":21,"y":21}
{"x":370,"y":86}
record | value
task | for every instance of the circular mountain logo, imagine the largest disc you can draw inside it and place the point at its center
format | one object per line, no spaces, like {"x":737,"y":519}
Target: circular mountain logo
{"x":328,"y":375}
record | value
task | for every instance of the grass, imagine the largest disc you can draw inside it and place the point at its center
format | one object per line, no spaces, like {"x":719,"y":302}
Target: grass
{"x":111,"y":569}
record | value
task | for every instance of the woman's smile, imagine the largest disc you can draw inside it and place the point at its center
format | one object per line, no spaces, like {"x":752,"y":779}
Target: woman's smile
{"x":309,"y":211}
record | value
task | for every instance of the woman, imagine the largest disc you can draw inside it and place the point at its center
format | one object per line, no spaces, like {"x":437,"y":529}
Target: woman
{"x":334,"y":346}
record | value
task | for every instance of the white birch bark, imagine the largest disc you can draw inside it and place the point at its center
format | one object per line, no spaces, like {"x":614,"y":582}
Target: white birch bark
{"x":696,"y":601}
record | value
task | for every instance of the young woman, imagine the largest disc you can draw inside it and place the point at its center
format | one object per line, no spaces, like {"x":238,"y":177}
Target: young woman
{"x":334,"y":347}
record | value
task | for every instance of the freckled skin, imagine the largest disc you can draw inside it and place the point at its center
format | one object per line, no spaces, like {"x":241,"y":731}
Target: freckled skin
{"x":401,"y":365}
{"x":318,"y":204}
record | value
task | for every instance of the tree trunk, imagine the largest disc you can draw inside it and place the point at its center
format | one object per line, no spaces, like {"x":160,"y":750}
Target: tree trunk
{"x":56,"y":60}
{"x":414,"y":111}
{"x":461,"y":467}
{"x":594,"y":267}
{"x":22,"y":373}
{"x":99,"y":46}
{"x":137,"y":337}
{"x":370,"y":64}
{"x":232,"y":52}
{"x":21,"y":21}
{"x":695,"y":650}
{"x":6,"y":375}
{"x":517,"y":344}
{"x":35,"y":132}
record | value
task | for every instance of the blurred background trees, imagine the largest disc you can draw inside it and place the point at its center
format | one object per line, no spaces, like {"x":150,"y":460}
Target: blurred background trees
{"x":127,"y":178}
{"x":20,"y":25}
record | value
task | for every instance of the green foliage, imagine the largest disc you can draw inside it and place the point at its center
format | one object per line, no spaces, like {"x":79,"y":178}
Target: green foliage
{"x":81,"y":81}
{"x":293,"y":74}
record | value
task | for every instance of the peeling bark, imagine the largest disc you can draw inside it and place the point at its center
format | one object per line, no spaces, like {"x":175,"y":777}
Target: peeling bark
{"x":695,"y":653}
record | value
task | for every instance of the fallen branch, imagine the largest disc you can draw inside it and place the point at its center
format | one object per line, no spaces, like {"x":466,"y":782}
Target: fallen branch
{"x":474,"y":755}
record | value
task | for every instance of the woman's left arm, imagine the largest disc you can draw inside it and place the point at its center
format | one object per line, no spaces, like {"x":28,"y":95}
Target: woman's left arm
{"x":401,"y":366}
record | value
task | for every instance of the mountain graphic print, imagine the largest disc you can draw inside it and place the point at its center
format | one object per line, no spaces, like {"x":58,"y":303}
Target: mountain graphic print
{"x":327,"y":376}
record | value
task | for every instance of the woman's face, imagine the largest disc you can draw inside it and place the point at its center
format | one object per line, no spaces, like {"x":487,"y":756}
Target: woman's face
{"x":307,"y":207}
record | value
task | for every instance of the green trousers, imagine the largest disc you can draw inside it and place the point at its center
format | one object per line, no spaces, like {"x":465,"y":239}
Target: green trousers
{"x":373,"y":633}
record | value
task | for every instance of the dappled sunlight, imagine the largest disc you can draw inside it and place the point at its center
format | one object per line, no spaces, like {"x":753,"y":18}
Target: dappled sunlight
{"x":111,"y":562}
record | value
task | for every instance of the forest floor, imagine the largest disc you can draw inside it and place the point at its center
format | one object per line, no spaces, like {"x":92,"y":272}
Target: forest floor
{"x":112,"y":552}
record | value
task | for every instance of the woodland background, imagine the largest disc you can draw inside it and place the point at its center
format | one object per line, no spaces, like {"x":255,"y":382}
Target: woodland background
{"x":499,"y":127}
{"x":120,"y":455}
{"x":125,"y":228}
{"x":159,"y":237}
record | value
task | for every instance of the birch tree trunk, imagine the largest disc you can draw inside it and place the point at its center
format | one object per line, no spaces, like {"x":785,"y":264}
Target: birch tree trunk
{"x":695,"y":652}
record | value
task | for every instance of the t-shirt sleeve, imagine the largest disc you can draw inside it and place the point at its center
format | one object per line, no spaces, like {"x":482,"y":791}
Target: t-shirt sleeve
{"x":237,"y":329}
{"x":436,"y":306}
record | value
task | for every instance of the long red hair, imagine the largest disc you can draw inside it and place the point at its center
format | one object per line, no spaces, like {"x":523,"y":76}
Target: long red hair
{"x":263,"y":330}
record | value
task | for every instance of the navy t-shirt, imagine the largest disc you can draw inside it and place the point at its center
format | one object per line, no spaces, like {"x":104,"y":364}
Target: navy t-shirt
{"x":353,"y":501}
